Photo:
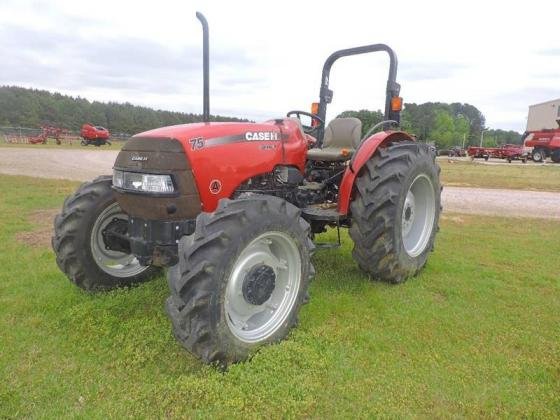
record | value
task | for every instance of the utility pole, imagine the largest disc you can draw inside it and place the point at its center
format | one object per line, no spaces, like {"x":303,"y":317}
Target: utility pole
{"x":482,"y":137}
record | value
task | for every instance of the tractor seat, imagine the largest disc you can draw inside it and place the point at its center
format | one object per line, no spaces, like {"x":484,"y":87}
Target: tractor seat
{"x":342,"y":137}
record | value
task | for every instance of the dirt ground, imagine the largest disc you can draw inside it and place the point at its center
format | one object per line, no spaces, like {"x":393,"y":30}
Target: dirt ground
{"x":517,"y":203}
{"x":40,"y":236}
{"x":83,"y":165}
{"x":78,"y":165}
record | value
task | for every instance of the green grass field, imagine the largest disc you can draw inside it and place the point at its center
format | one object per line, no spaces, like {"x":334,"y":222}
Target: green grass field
{"x":502,"y":175}
{"x":477,"y":334}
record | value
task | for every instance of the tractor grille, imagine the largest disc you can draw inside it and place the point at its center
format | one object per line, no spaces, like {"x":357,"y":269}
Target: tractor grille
{"x":147,"y":155}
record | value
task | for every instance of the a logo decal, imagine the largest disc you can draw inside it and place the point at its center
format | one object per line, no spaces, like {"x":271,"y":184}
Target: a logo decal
{"x":215,"y":186}
{"x":138,"y":158}
{"x":261,"y":135}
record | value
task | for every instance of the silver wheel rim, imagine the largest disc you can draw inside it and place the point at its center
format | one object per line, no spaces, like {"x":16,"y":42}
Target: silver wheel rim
{"x":538,"y":156}
{"x":114,"y":263}
{"x":253,"y":323}
{"x":418,"y":215}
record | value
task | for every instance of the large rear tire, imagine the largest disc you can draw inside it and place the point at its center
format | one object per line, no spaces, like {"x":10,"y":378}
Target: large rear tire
{"x":241,"y":278}
{"x":395,"y":211}
{"x":78,"y":240}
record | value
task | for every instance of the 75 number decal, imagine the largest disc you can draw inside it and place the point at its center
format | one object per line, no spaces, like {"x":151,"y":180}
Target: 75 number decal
{"x":197,"y":143}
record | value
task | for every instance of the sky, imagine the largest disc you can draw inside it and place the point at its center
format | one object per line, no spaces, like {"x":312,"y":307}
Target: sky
{"x":267,"y":56}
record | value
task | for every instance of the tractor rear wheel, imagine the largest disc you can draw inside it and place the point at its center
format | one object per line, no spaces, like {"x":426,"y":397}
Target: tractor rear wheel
{"x":80,"y":240}
{"x":241,"y":279}
{"x":555,"y":156}
{"x":395,"y":211}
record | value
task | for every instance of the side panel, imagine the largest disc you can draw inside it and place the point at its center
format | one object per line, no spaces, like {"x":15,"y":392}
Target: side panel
{"x":365,"y":152}
{"x":555,"y":142}
{"x":224,"y":160}
{"x":547,"y":139}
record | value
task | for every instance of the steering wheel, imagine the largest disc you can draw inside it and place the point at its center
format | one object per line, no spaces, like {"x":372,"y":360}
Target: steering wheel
{"x":307,"y":129}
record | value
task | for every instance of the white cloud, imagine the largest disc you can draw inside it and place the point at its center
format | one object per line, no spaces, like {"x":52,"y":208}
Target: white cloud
{"x":267,"y":56}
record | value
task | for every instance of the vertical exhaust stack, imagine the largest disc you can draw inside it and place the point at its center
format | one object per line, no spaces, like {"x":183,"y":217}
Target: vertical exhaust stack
{"x":205,"y":68}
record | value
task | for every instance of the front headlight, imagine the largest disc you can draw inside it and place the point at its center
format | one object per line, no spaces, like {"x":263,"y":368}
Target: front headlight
{"x":150,"y":183}
{"x":118,"y":178}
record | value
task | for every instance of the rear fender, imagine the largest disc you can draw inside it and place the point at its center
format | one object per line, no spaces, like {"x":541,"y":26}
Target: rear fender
{"x":363,"y":154}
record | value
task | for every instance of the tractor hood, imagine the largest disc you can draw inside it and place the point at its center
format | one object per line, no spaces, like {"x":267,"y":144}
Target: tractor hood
{"x":268,"y":130}
{"x":208,"y":161}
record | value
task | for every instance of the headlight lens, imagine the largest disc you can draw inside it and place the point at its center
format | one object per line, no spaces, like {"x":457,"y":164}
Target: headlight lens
{"x":118,"y":178}
{"x":150,"y":183}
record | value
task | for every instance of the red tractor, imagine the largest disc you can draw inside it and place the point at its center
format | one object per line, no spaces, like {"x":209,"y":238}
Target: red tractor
{"x":232,"y":209}
{"x":543,"y":143}
{"x":94,"y":135}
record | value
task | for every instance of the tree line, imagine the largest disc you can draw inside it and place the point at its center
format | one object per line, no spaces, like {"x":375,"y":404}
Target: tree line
{"x":446,"y":125}
{"x":21,"y":107}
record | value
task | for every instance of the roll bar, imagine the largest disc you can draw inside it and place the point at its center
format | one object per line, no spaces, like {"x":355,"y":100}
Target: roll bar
{"x":325,"y":94}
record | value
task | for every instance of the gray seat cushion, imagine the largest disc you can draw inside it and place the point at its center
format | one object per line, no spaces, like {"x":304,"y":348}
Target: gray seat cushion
{"x":342,"y":137}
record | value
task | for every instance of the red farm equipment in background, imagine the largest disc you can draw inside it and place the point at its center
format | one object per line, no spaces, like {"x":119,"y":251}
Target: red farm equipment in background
{"x":48,"y":131}
{"x":94,"y":135}
{"x":543,"y":143}
{"x":507,"y":151}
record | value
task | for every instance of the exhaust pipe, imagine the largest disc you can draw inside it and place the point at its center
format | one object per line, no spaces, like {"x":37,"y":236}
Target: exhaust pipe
{"x":205,"y":68}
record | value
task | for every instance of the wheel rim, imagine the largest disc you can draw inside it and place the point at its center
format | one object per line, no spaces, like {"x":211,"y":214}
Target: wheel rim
{"x":539,"y":156}
{"x":263,"y":286}
{"x":114,"y":263}
{"x":418,"y":215}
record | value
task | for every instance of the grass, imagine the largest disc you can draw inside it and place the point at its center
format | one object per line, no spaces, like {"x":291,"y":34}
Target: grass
{"x":115,"y":145}
{"x":476,"y":334}
{"x":503,"y":175}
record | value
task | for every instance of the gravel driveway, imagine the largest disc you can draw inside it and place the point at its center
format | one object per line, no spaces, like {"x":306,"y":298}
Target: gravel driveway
{"x":83,"y":165}
{"x":79,"y":165}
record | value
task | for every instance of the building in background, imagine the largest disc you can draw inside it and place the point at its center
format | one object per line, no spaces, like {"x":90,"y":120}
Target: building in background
{"x":544,"y":115}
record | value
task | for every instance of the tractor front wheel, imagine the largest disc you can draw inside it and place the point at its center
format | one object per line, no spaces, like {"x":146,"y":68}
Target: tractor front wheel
{"x":395,"y":211}
{"x":85,"y":248}
{"x":555,"y":156}
{"x":241,"y":279}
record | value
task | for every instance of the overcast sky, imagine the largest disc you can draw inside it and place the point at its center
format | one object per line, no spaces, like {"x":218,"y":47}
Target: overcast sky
{"x":266,"y":56}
